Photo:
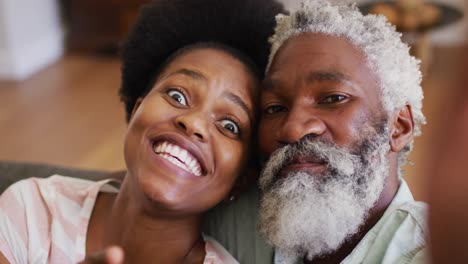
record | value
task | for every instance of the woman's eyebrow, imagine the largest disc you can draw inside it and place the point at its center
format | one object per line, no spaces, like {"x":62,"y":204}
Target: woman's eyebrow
{"x":238,"y":101}
{"x":189,"y":73}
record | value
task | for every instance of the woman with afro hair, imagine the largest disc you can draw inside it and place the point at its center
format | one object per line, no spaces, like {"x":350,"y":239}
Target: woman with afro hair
{"x":190,"y":82}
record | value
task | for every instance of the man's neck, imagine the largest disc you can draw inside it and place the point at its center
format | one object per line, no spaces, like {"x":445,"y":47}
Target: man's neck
{"x":144,"y":238}
{"x":375,"y":214}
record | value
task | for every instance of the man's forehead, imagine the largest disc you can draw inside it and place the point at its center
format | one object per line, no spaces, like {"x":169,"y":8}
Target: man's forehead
{"x":312,"y":45}
{"x":271,"y":81}
{"x":319,"y":57}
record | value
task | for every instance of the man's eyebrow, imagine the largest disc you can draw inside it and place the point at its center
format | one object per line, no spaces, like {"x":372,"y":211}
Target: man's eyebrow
{"x":238,"y":101}
{"x":189,"y":73}
{"x":327,"y":76}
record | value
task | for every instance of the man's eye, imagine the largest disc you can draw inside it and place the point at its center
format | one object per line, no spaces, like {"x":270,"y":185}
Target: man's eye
{"x":178,"y":96}
{"x":273,"y":109}
{"x":333,"y":99}
{"x":231,"y":126}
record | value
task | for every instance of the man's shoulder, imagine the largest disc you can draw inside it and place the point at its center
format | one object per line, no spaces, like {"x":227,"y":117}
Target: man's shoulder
{"x":399,"y":237}
{"x":404,"y":211}
{"x":416,"y":212}
{"x":406,"y":232}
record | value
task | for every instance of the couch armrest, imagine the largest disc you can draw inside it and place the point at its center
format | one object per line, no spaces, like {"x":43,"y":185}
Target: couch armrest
{"x":11,"y":171}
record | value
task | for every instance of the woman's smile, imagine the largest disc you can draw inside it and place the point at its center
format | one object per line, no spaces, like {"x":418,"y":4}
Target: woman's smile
{"x":181,"y":152}
{"x":178,"y":156}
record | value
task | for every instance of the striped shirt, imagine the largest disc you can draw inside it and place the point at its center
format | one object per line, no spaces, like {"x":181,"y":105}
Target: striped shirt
{"x":46,"y":220}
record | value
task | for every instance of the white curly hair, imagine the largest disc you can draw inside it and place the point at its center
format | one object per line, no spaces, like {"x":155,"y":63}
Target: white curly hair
{"x":398,"y":72}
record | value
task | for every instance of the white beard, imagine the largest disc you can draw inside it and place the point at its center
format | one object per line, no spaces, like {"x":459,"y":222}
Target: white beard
{"x":312,"y":215}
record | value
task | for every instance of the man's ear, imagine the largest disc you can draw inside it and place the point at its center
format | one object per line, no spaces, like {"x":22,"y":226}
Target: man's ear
{"x":402,"y":129}
{"x":136,"y":106}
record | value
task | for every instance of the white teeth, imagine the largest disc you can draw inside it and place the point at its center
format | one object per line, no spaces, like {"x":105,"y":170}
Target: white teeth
{"x":183,"y":154}
{"x":191,"y":163}
{"x":169,"y":149}
{"x":176,"y":151}
{"x":178,"y":156}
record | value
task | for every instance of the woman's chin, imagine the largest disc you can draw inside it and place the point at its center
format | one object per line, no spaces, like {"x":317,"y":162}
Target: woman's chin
{"x":160,"y":196}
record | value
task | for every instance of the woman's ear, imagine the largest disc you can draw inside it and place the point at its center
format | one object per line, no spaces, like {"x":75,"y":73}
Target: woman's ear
{"x":136,"y":106}
{"x":247,"y":179}
{"x":402,"y":129}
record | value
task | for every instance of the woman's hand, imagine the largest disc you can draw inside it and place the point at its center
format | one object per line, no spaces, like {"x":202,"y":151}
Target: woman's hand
{"x":110,"y":255}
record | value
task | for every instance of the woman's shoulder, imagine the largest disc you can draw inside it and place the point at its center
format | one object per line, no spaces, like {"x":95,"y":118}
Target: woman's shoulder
{"x":45,"y":215}
{"x":55,"y":187}
{"x":49,"y":192}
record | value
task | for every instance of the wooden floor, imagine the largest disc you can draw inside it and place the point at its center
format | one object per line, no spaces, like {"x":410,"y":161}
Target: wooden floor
{"x":69,"y":114}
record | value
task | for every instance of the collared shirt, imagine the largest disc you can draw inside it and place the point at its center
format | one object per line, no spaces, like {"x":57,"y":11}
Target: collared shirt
{"x":398,"y":237}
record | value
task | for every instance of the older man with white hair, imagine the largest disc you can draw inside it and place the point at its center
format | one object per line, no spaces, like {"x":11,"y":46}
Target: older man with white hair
{"x":341,"y":104}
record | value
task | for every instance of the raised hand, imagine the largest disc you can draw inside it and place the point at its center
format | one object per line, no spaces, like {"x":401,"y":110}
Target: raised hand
{"x":110,"y":255}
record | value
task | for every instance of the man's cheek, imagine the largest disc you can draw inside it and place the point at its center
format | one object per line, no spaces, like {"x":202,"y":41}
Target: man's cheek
{"x":266,"y":139}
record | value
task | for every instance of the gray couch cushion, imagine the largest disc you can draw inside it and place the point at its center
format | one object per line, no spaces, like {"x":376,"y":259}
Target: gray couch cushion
{"x":234,"y":226}
{"x":11,"y":171}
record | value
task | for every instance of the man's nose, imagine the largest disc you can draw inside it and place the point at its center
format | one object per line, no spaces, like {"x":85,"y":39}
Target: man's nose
{"x":194,"y":124}
{"x":301,"y":122}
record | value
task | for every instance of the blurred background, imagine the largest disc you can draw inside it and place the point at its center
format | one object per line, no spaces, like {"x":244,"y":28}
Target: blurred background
{"x":60,"y":75}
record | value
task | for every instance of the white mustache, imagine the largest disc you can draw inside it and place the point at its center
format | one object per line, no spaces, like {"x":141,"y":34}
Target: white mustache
{"x":339,"y":160}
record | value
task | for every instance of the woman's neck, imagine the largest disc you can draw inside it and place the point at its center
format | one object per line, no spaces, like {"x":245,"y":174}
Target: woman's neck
{"x":145,"y":238}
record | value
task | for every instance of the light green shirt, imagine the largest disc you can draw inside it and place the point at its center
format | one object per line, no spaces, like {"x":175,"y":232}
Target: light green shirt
{"x":398,"y":237}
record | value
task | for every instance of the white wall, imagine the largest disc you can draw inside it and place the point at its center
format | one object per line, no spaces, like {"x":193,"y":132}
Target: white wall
{"x":3,"y":40}
{"x":450,"y":35}
{"x":31,"y":37}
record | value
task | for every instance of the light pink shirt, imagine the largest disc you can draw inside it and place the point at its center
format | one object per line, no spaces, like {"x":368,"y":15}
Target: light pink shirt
{"x":46,"y":220}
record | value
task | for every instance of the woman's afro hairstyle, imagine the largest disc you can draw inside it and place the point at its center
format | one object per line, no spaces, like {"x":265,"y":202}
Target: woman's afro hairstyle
{"x":166,"y":26}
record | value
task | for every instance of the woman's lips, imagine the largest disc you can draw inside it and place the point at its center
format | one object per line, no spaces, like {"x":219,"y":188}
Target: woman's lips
{"x":179,"y":152}
{"x":178,"y":156}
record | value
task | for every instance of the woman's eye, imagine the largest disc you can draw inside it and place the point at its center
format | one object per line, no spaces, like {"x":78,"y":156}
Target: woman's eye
{"x":231,"y":126}
{"x":273,"y":109}
{"x":333,"y":99}
{"x":178,"y":96}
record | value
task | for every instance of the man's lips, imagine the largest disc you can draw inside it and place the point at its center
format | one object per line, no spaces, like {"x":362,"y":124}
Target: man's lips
{"x":309,"y":163}
{"x":298,"y":167}
{"x":312,"y":159}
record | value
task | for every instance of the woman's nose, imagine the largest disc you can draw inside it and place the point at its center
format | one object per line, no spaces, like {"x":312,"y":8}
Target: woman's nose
{"x":193,"y":124}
